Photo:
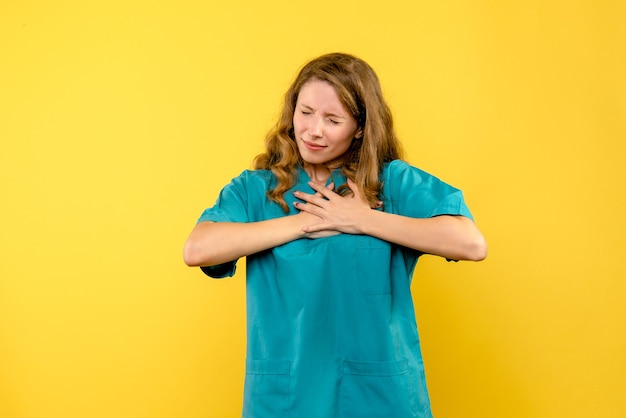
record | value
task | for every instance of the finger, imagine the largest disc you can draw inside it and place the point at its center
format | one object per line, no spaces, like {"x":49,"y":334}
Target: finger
{"x":316,"y":199}
{"x":316,"y":228}
{"x":355,"y":189}
{"x":329,"y":186}
{"x":311,"y":208}
{"x":357,"y":194}
{"x":325,"y":191}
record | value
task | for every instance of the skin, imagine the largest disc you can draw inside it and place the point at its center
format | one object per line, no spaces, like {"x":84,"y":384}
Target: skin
{"x":454,"y":237}
{"x":323,"y":130}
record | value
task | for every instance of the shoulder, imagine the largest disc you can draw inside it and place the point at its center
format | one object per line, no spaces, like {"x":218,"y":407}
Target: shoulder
{"x":414,"y":192}
{"x":399,"y":169}
{"x":256,"y":174}
{"x":252,"y":178}
{"x":399,"y":177}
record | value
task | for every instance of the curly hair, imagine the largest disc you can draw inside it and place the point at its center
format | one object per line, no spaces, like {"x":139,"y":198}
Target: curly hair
{"x":359,"y":90}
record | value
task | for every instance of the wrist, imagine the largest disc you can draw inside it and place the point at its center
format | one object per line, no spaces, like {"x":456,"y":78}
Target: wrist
{"x":299,"y":221}
{"x":368,"y":224}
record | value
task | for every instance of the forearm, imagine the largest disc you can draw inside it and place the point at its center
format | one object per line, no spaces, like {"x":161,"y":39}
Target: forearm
{"x":212,"y":243}
{"x":453,"y":237}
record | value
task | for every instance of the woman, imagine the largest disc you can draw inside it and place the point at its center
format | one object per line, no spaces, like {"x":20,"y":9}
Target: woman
{"x":332,"y":223}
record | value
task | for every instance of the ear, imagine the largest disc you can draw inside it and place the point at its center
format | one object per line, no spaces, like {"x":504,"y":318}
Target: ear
{"x":359,"y":133}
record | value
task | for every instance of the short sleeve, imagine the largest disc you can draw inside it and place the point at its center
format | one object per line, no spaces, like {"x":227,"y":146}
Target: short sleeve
{"x":417,"y":194}
{"x":230,"y":206}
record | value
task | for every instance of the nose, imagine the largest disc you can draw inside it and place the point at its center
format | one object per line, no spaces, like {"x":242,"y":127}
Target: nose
{"x":315,"y":127}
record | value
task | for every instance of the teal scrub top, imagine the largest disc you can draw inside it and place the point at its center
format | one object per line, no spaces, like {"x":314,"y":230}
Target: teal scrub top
{"x":331,"y":329}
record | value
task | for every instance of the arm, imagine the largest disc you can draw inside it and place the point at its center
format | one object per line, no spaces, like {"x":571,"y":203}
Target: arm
{"x":454,"y":237}
{"x":212,"y":243}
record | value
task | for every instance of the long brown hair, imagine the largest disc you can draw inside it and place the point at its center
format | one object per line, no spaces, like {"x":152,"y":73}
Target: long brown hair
{"x":359,"y":91}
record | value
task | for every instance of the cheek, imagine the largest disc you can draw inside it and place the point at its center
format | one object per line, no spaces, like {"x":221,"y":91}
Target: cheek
{"x":345,"y":139}
{"x":341,"y":145}
{"x":297,"y":123}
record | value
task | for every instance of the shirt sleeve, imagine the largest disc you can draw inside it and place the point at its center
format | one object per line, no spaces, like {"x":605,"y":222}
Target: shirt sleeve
{"x":230,"y":206}
{"x":418,"y":194}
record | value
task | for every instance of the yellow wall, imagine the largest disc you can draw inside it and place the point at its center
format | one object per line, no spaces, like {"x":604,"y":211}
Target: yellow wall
{"x":121,"y":120}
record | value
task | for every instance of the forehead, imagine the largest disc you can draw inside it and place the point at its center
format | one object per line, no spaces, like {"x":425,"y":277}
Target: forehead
{"x":318,"y":93}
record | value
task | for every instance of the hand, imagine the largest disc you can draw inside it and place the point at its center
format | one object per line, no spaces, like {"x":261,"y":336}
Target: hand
{"x":311,"y":219}
{"x":337,"y":213}
{"x":310,"y":231}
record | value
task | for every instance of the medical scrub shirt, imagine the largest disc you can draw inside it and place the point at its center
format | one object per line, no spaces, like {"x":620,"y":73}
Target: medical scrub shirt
{"x":331,"y":329}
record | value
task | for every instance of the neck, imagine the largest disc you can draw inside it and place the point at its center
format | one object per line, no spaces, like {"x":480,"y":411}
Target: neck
{"x":318,"y":173}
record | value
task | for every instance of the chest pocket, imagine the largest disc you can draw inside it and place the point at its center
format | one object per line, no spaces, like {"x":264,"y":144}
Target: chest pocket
{"x":372,"y":265}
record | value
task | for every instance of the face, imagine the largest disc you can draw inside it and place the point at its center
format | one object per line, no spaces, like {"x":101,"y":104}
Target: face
{"x":323,"y":127}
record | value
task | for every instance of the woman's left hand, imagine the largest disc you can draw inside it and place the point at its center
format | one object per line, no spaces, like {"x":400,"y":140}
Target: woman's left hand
{"x":338,"y":213}
{"x":449,"y":236}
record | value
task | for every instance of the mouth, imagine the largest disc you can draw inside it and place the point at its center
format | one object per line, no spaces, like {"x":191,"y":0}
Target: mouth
{"x":312,"y":146}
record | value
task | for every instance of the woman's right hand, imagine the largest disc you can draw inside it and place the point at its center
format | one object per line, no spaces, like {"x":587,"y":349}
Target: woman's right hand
{"x":308,"y":219}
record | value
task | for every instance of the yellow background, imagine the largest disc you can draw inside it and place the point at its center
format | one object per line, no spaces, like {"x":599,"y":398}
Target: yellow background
{"x":121,"y":120}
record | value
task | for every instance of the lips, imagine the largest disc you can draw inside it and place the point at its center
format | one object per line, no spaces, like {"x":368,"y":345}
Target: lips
{"x":312,"y":146}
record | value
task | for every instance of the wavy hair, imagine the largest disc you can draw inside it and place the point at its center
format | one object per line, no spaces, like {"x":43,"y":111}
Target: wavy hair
{"x":359,"y":90}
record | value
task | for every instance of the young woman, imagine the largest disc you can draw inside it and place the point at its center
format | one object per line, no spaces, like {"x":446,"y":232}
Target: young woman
{"x":332,"y":223}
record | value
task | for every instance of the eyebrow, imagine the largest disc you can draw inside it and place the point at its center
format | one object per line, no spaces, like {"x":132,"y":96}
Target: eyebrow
{"x":332,"y":115}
